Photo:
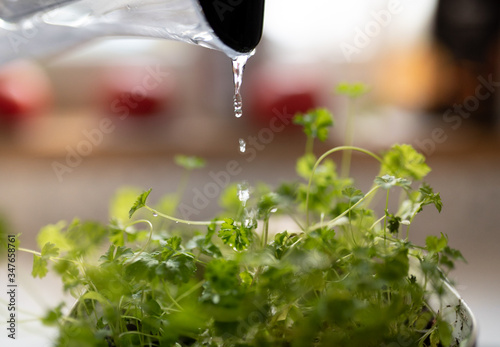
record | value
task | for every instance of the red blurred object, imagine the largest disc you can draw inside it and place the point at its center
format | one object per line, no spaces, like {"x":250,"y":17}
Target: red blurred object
{"x":285,"y":93}
{"x":137,"y":90}
{"x":25,"y":92}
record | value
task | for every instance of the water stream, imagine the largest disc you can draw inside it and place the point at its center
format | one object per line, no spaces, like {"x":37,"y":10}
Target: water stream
{"x":238,"y":68}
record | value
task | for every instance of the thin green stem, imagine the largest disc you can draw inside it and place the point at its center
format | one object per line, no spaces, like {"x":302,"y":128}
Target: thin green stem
{"x":376,"y":222}
{"x":294,"y":218}
{"x":411,"y":220}
{"x":190,"y":291}
{"x":321,"y":224}
{"x":320,"y":159}
{"x":25,"y":250}
{"x":386,"y":211}
{"x":351,"y":231}
{"x":137,"y":333}
{"x":266,"y":232}
{"x":174,"y":302}
{"x":349,"y":140}
{"x":309,"y":145}
{"x":183,"y":221}
{"x":143,"y":249}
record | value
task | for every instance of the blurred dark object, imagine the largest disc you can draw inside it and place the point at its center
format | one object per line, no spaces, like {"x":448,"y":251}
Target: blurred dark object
{"x":468,"y":31}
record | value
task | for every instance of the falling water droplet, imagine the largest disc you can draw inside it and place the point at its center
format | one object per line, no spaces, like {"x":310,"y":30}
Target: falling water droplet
{"x":243,"y":193}
{"x":243,"y":146}
{"x":238,"y":68}
{"x":247,"y":223}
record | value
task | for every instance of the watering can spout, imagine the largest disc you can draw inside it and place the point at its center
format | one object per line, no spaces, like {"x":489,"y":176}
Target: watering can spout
{"x":237,"y":23}
{"x":40,"y":28}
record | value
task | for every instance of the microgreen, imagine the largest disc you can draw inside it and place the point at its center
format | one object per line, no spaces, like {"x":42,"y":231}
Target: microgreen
{"x":339,"y":275}
{"x":189,"y":162}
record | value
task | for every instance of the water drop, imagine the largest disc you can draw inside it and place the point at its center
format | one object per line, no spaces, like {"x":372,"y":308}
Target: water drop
{"x":243,"y":193}
{"x":155,"y":214}
{"x":274,"y":210}
{"x":176,"y":222}
{"x":238,"y":68}
{"x":243,"y":146}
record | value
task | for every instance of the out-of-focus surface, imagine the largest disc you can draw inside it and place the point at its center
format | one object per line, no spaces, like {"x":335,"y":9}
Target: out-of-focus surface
{"x":121,"y":109}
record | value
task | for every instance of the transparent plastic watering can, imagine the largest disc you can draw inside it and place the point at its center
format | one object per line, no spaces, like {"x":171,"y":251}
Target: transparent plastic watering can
{"x":37,"y":28}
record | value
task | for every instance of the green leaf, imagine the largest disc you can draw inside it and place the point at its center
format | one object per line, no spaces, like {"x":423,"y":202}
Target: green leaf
{"x":93,"y":295}
{"x":435,"y":244}
{"x":434,"y":338}
{"x":246,"y":278}
{"x":266,"y":204}
{"x":305,"y":165}
{"x":223,"y":275}
{"x":85,"y":236}
{"x":353,"y":194}
{"x":393,"y":223}
{"x":140,"y":202}
{"x":50,"y":250}
{"x":404,"y":161}
{"x":282,"y":242}
{"x":69,"y":272}
{"x":394,"y":267}
{"x":352,"y":90}
{"x":54,"y":233}
{"x":206,"y":247}
{"x":53,"y":316}
{"x":233,"y":235}
{"x":178,"y":269}
{"x":315,"y":123}
{"x":39,"y":267}
{"x":429,"y":197}
{"x":189,"y":162}
{"x":445,"y":333}
{"x":152,"y":308}
{"x":117,"y":234}
{"x":387,"y":182}
{"x":172,"y":246}
{"x":115,"y":253}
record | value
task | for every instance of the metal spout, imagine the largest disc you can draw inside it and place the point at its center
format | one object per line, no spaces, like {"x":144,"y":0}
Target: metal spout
{"x":237,"y":23}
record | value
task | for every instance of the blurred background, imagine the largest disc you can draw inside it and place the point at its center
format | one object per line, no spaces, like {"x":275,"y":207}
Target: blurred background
{"x":113,"y":112}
